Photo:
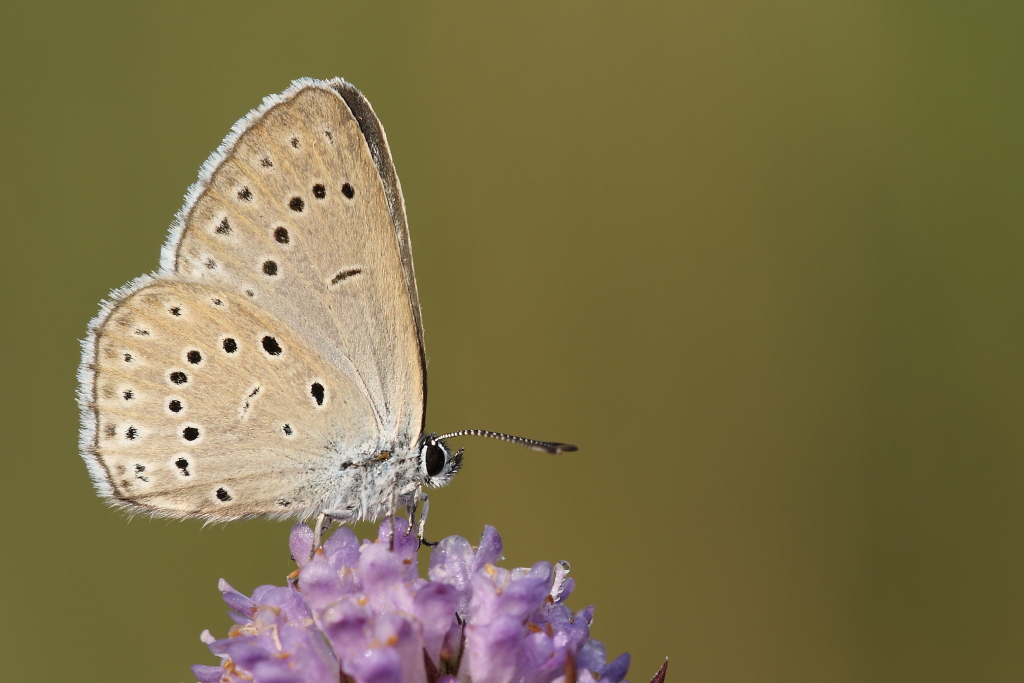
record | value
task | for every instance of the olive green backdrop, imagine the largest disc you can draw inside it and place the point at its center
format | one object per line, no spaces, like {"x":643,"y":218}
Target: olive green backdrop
{"x":764,"y":262}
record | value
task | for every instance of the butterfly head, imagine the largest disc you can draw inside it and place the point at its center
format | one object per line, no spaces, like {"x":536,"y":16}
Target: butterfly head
{"x":437,"y":462}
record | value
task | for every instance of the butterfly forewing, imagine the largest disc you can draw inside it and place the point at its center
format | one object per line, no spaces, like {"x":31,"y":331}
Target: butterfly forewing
{"x":280,"y":343}
{"x":310,"y":236}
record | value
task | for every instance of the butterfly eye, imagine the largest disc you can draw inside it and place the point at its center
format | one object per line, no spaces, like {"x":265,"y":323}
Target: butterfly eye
{"x":434,"y":459}
{"x":437,"y":463}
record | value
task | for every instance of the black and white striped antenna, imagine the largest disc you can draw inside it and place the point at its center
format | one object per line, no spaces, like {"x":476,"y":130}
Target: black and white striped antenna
{"x":532,"y":444}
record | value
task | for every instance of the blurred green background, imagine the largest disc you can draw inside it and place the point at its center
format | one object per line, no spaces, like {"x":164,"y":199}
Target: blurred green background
{"x":762,"y":261}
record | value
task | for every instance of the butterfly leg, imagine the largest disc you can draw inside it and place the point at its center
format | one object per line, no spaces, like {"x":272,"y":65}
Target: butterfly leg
{"x":410,"y":509}
{"x":423,"y":520}
{"x":321,"y":520}
{"x":324,"y":521}
{"x":394,"y":512}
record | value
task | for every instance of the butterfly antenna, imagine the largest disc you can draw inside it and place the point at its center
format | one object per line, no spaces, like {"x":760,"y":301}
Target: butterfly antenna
{"x":542,"y":446}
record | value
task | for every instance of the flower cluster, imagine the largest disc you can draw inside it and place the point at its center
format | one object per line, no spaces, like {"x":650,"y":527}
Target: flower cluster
{"x":360,"y":613}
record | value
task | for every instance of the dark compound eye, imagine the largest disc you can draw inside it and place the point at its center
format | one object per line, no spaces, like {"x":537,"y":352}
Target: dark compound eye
{"x":434,"y":459}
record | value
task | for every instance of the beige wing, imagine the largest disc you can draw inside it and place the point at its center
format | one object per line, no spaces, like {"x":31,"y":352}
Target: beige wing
{"x":207,"y":405}
{"x":281,"y":341}
{"x":303,"y":214}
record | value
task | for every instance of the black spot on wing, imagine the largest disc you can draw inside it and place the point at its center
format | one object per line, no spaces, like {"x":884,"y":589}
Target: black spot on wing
{"x":316,"y":390}
{"x":345,"y":274}
{"x":271,"y":346}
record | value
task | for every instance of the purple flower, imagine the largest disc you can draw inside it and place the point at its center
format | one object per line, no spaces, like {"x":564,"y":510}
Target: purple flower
{"x":360,"y":613}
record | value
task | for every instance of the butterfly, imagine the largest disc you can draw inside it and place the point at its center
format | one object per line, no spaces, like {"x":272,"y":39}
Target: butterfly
{"x":274,"y":364}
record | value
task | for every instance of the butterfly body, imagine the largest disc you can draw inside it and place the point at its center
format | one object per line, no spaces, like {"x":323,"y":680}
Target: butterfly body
{"x":277,"y":353}
{"x":274,"y":365}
